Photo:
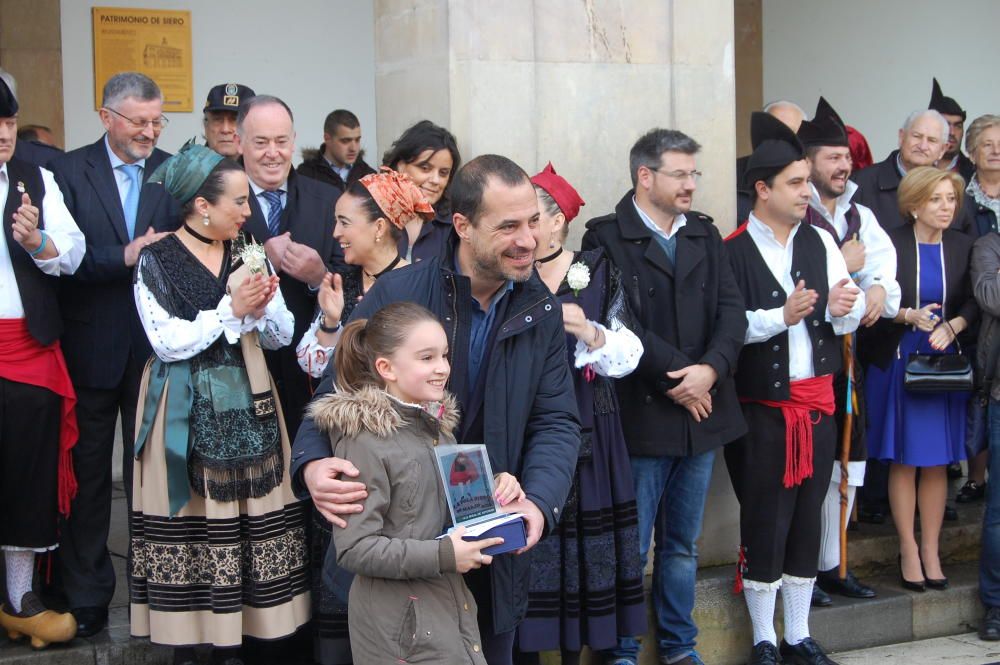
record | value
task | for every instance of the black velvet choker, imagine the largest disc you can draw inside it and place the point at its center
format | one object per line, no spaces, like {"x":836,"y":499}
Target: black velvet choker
{"x":551,"y":257}
{"x":389,"y":267}
{"x":207,"y":241}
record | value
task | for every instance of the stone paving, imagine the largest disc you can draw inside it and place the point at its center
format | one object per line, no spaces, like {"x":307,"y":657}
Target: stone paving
{"x":965,"y":649}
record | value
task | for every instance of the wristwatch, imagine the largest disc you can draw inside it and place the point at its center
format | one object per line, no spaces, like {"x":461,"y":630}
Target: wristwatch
{"x":325,"y":328}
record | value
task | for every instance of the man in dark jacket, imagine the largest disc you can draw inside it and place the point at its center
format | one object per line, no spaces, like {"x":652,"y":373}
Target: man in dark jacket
{"x":339,"y":161}
{"x":104,"y":343}
{"x":680,"y":404}
{"x":293,"y":217}
{"x":509,"y":373}
{"x":922,"y":141}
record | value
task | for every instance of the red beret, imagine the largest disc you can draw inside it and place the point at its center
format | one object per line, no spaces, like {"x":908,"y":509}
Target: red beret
{"x":562,"y":192}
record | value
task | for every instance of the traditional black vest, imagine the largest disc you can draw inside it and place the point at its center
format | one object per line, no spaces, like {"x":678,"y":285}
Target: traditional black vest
{"x":762,"y":370}
{"x":37,"y":290}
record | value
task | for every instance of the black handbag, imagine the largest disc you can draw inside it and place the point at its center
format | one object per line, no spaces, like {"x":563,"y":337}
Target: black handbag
{"x":938,"y":373}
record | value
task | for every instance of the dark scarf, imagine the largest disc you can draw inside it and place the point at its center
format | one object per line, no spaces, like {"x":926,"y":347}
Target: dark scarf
{"x":814,"y":218}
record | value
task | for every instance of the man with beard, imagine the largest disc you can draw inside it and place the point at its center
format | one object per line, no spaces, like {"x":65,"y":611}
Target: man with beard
{"x":953,"y":159}
{"x":219,"y":119}
{"x":798,"y":299}
{"x":339,"y":160}
{"x":293,"y":217}
{"x":871,"y":259}
{"x":104,"y":343}
{"x":679,"y":406}
{"x":508,"y":371}
{"x":922,"y":141}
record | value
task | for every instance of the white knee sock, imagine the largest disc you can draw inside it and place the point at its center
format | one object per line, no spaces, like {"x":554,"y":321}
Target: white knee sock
{"x":829,"y":529}
{"x":20,"y":569}
{"x":796,"y":597}
{"x":760,"y":597}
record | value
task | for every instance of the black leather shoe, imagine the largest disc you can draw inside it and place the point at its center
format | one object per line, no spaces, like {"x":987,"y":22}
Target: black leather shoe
{"x":989,"y":630}
{"x":806,"y":652}
{"x":764,"y":653}
{"x":955,"y":471}
{"x":871,"y":515}
{"x":90,"y":620}
{"x":851,"y":587}
{"x":820,"y":597}
{"x":950,"y":514}
{"x":971,"y":492}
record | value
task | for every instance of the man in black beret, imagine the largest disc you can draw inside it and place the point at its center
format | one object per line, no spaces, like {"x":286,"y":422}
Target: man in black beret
{"x":799,"y":298}
{"x":953,"y":159}
{"x":40,"y":242}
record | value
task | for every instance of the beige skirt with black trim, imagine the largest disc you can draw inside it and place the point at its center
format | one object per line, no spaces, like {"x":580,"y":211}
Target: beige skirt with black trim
{"x":216,"y":571}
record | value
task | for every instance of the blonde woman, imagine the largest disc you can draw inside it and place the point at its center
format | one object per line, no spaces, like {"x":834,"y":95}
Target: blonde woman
{"x":921,"y":433}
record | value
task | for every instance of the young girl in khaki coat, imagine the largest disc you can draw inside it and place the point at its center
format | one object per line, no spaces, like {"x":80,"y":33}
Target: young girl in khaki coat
{"x":408,"y":602}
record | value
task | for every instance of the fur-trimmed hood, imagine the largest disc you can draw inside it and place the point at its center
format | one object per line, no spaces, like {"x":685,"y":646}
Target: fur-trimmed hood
{"x":373,"y":410}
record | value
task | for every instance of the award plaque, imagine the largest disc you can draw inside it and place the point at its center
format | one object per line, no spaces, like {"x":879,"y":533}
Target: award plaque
{"x":469,"y":488}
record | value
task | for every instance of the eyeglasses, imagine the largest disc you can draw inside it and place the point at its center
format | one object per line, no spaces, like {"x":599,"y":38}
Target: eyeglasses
{"x":155,"y":123}
{"x":680,"y":175}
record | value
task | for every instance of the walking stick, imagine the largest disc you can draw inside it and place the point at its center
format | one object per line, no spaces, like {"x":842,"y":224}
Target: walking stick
{"x":845,"y":450}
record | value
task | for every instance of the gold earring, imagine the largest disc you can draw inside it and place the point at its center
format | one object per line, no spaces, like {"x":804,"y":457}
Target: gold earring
{"x":205,"y":220}
{"x":378,"y":238}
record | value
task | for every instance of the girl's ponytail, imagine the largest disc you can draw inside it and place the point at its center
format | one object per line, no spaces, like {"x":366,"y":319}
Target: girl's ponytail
{"x":353,"y":362}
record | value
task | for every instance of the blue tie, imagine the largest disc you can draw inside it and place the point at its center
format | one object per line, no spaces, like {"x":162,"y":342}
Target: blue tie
{"x":273,"y":211}
{"x":131,"y":207}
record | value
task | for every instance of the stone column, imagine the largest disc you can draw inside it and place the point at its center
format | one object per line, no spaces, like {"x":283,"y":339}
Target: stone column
{"x":571,"y":81}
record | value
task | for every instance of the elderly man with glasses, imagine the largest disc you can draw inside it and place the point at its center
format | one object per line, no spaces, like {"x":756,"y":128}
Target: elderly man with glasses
{"x":104,"y":343}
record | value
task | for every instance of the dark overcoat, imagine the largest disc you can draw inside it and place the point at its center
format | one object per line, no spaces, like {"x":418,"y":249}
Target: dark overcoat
{"x":687,"y":313}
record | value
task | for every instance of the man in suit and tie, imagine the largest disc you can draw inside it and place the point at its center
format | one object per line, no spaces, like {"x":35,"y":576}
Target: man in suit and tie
{"x":104,"y":343}
{"x":293,"y":216}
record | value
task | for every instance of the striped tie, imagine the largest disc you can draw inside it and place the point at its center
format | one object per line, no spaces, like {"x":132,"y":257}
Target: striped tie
{"x":273,"y":211}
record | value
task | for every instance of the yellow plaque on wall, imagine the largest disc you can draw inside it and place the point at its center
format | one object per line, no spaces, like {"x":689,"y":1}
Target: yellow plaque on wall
{"x":152,"y":41}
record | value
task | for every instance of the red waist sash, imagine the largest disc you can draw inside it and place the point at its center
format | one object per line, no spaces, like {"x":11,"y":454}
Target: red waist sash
{"x":815,"y":394}
{"x":24,"y":360}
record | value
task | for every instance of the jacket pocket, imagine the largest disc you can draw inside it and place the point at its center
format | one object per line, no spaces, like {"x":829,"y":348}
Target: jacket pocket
{"x":408,"y":634}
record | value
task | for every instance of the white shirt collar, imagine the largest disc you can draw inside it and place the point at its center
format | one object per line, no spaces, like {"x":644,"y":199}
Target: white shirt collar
{"x":679,"y":222}
{"x":843,"y":201}
{"x":257,"y":189}
{"x":117,"y":161}
{"x":761,"y":231}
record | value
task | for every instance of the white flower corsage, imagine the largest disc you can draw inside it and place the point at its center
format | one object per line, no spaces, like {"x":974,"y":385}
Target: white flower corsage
{"x":578,"y":277}
{"x":254,"y":257}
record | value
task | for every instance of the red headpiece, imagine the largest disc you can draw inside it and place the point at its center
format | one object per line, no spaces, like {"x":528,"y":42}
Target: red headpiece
{"x":562,"y":192}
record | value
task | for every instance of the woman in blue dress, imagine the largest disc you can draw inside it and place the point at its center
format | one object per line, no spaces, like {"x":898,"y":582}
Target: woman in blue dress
{"x":921,"y":433}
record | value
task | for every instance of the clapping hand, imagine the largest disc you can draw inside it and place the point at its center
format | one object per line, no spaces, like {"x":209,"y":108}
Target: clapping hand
{"x":842,"y":298}
{"x":331,"y":298}
{"x":304,"y":264}
{"x":253,"y":294}
{"x":799,"y":303}
{"x":25,"y":226}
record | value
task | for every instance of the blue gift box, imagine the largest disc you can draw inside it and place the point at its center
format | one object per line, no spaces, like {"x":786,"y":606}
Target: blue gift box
{"x":513,"y":534}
